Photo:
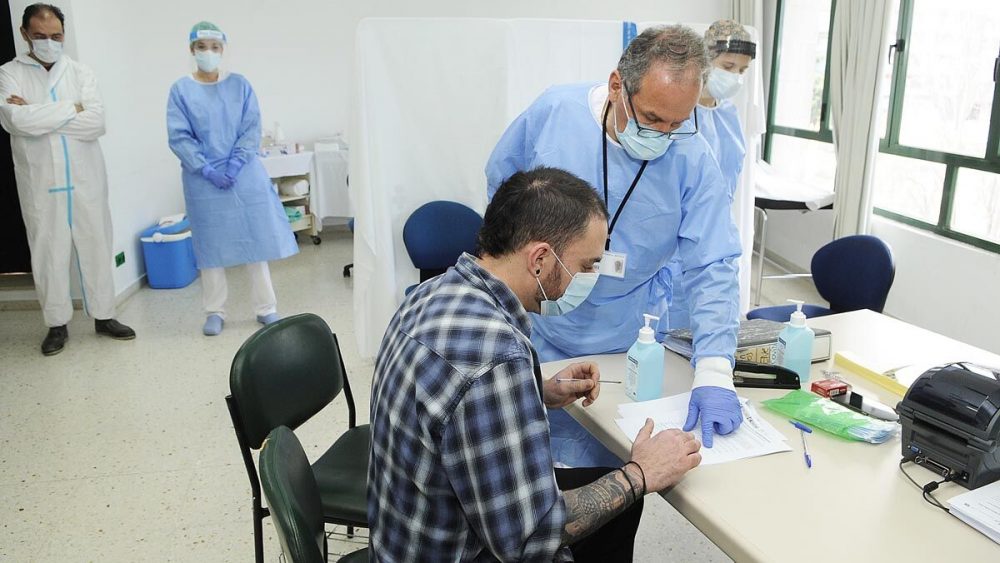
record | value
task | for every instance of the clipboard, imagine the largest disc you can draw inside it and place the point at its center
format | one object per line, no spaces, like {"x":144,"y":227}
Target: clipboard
{"x":764,"y":376}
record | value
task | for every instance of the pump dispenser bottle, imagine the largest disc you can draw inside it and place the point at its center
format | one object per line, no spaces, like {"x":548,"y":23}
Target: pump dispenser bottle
{"x":795,"y":344}
{"x":644,"y":363}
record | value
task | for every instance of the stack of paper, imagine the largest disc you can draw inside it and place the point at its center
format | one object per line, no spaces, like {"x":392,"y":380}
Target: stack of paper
{"x":980,"y":508}
{"x":755,"y":437}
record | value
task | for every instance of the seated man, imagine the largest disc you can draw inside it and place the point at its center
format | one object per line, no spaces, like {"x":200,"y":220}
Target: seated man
{"x":461,"y":467}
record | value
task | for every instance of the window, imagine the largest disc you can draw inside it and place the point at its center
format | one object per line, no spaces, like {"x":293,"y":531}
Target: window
{"x":938,"y":166}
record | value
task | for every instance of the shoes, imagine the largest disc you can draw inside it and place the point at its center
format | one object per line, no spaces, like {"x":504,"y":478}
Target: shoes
{"x":268,"y":318}
{"x":114,"y":329}
{"x":55,"y":340}
{"x":213,"y":325}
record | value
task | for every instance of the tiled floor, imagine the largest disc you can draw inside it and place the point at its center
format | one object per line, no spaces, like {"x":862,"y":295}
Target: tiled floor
{"x":123,"y":451}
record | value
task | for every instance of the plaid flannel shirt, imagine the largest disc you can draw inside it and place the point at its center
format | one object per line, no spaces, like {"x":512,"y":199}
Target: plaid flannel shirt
{"x":461,"y":467}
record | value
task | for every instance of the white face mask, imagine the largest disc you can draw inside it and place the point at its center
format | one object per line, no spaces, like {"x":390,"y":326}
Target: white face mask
{"x":723,"y":84}
{"x":207,"y":61}
{"x":47,"y":50}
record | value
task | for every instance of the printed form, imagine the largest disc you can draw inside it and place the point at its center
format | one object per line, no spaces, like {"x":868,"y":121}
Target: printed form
{"x":755,"y":437}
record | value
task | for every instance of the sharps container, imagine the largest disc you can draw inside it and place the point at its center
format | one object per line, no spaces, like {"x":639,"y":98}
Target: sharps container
{"x":169,"y":255}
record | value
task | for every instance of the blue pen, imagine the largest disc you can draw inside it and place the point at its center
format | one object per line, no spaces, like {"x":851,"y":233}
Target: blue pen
{"x":803,"y":430}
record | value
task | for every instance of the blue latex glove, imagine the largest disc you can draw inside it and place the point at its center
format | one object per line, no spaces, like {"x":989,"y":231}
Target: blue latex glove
{"x":719,"y":410}
{"x":233,"y":168}
{"x":217,"y":178}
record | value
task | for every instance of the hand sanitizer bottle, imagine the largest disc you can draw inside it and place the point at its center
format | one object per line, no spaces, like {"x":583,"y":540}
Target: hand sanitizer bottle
{"x":795,"y":344}
{"x":644,"y":373}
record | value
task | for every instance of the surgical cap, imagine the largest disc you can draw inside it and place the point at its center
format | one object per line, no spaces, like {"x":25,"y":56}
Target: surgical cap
{"x":728,"y":36}
{"x":206,"y":30}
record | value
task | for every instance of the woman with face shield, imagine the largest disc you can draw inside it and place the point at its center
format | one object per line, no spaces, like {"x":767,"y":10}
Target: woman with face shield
{"x":213,"y":126}
{"x":730,"y":50}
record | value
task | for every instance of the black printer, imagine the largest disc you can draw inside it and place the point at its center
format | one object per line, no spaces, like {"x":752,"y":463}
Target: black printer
{"x":951,"y":422}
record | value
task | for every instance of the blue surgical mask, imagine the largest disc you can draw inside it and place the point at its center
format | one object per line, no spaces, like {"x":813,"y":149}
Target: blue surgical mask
{"x":723,"y":84}
{"x":47,"y":50}
{"x":207,"y":61}
{"x":577,"y":291}
{"x":640,"y":148}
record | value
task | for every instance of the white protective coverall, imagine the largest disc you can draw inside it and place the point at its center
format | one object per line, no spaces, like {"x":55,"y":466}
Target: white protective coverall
{"x":61,"y":181}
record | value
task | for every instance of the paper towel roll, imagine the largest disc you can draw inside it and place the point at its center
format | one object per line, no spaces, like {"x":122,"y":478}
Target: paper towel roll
{"x":294,"y":187}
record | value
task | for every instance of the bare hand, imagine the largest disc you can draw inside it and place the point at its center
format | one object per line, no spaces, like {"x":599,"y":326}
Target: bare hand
{"x":665,"y":457}
{"x":580,"y":380}
{"x":16,"y":100}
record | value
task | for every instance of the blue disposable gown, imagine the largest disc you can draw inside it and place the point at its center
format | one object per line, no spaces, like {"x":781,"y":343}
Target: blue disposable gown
{"x":681,"y":204}
{"x":721,"y":128}
{"x":209,"y":124}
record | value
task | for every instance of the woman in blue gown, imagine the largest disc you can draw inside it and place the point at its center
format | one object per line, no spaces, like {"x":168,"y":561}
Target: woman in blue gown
{"x":213,"y":125}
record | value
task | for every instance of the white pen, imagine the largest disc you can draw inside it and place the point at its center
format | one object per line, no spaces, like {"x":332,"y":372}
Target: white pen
{"x":575,"y":379}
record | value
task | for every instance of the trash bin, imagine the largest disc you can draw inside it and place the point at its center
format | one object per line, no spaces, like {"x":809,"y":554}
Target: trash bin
{"x":169,"y":255}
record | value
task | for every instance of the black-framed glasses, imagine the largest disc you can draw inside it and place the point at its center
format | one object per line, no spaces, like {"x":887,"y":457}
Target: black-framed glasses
{"x":649,"y":133}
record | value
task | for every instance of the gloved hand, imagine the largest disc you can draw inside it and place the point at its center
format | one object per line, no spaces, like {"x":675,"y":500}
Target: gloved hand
{"x":217,"y":178}
{"x":713,"y":398}
{"x":233,"y":168}
{"x":719,"y":410}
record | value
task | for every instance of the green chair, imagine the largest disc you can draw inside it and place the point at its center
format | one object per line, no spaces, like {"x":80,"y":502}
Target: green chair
{"x":294,"y":498}
{"x":282,"y":376}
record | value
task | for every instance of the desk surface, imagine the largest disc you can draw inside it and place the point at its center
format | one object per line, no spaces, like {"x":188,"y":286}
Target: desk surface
{"x":853,"y":505}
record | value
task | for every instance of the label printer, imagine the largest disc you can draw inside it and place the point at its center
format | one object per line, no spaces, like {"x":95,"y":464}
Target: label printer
{"x":951,"y":423}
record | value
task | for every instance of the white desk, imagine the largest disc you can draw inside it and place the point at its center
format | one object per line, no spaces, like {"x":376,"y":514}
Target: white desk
{"x":853,"y":505}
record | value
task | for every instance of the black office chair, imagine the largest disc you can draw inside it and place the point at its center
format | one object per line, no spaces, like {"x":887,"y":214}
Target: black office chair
{"x":436,"y":235}
{"x":852,"y":273}
{"x":283,"y":375}
{"x":294,"y":498}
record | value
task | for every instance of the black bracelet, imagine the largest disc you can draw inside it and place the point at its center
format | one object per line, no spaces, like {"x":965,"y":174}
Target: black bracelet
{"x":643,"y":473}
{"x":631,"y":485}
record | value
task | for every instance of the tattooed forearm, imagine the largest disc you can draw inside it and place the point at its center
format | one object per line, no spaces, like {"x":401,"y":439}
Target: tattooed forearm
{"x":593,"y":505}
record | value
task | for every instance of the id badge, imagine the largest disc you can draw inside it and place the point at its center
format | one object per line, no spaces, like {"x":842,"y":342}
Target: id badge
{"x":613,"y":264}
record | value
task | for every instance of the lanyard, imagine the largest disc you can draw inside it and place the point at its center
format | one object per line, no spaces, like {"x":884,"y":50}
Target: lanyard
{"x":635,"y":181}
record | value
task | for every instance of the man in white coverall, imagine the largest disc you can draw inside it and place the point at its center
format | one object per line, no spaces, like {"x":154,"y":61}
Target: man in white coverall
{"x":50,"y":106}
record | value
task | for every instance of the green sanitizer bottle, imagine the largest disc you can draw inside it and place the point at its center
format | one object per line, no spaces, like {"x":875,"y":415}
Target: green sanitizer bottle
{"x":644,"y":365}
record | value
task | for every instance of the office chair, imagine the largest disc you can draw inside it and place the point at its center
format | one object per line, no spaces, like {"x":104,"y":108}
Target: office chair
{"x":852,"y":273}
{"x":294,"y":499}
{"x":436,"y":235}
{"x":282,"y":376}
{"x":347,"y":268}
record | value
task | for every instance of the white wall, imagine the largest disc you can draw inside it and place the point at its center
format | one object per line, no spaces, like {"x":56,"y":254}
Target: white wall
{"x":941,"y":285}
{"x":298,"y":54}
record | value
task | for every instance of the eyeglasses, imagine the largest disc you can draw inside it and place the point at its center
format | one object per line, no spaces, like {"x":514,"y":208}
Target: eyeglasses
{"x":649,"y":133}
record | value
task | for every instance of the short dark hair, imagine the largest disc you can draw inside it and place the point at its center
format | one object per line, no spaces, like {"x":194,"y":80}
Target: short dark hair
{"x":545,"y":204}
{"x":39,"y":9}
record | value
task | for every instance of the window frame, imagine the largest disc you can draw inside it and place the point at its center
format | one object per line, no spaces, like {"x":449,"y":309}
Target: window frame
{"x":889,"y":140}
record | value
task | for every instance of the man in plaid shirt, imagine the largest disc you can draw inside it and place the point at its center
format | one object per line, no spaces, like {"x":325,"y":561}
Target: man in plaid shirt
{"x":461,"y":467}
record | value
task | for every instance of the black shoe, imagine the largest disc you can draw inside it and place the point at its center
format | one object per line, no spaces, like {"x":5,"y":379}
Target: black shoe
{"x":114,"y":329}
{"x":55,"y":340}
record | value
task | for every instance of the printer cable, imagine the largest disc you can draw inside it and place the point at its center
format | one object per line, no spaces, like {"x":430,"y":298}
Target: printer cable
{"x":929,"y":488}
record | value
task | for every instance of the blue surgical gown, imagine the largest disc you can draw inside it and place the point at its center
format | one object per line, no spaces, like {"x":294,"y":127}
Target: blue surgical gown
{"x":209,"y":124}
{"x":681,"y":204}
{"x":721,"y":128}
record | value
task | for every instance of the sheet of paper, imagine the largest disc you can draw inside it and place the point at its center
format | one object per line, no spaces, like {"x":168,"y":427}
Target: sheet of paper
{"x":755,"y":437}
{"x":980,"y":508}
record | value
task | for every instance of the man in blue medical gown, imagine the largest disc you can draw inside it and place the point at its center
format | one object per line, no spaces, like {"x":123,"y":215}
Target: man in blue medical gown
{"x":634,"y":139}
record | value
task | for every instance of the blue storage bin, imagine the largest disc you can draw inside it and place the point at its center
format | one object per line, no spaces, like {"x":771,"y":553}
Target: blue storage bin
{"x":169,"y":255}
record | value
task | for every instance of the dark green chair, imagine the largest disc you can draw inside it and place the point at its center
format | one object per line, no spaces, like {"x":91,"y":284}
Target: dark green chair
{"x":294,"y":500}
{"x":282,"y":376}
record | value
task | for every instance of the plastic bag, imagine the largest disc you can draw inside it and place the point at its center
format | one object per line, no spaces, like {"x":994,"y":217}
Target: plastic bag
{"x":833,"y":417}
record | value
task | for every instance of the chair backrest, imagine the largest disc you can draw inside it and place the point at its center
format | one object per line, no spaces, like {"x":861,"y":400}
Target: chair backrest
{"x":284,"y":374}
{"x":437,"y":233}
{"x":293,"y":497}
{"x":854,"y":272}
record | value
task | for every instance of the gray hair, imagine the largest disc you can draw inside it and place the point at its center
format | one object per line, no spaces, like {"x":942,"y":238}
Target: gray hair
{"x":677,"y":46}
